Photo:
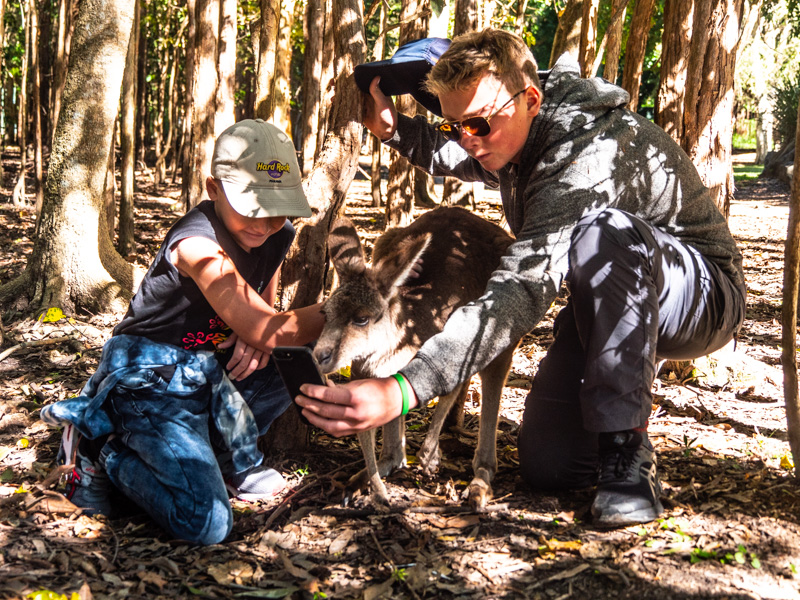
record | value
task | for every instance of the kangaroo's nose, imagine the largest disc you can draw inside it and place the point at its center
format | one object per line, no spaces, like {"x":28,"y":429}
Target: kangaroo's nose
{"x":322,"y":355}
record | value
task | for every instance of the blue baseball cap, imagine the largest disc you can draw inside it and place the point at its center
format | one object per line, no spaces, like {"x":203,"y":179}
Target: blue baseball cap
{"x":405,"y":72}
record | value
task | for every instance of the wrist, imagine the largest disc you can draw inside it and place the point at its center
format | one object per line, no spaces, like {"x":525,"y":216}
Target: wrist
{"x":408,"y":399}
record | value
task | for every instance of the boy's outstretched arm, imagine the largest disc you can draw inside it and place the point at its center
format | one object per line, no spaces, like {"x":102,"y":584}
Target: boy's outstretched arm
{"x":380,"y":114}
{"x":248,"y":314}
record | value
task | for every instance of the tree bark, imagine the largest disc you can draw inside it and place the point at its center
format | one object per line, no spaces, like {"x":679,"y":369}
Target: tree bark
{"x":18,"y":195}
{"x":2,"y":106}
{"x":161,"y":113}
{"x":226,"y":67}
{"x":400,"y":189}
{"x":45,"y":68}
{"x":709,"y":102}
{"x":675,"y":45}
{"x":376,"y":172}
{"x":188,"y":103}
{"x":568,"y":32}
{"x":267,"y":46}
{"x":588,"y":43}
{"x":282,"y":82}
{"x":326,"y":188}
{"x":791,"y":279}
{"x":312,"y":73}
{"x":205,"y":94}
{"x":73,"y":264}
{"x":613,"y":39}
{"x":63,"y":43}
{"x":635,"y":50}
{"x":170,"y":107}
{"x":127,"y":126}
{"x":36,"y":89}
{"x":454,"y":191}
{"x":328,"y":75}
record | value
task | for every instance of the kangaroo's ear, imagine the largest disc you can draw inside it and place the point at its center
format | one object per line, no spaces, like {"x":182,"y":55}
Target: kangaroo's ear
{"x":394,"y":268}
{"x":345,"y":249}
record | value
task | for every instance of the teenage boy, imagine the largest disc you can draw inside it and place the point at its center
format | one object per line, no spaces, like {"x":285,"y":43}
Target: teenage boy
{"x":160,"y":419}
{"x":597,"y":197}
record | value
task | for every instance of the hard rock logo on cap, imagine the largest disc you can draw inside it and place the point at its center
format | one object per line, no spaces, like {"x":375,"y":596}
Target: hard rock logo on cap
{"x":274,"y":169}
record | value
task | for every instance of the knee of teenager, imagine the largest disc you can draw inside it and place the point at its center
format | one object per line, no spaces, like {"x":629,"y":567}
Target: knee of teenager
{"x":600,"y":238}
{"x":205,"y":527}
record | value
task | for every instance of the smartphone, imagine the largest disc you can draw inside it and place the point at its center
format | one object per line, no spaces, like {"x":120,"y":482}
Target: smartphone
{"x":296,"y":365}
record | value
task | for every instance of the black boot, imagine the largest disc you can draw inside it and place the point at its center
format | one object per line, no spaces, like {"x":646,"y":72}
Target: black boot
{"x":628,"y":489}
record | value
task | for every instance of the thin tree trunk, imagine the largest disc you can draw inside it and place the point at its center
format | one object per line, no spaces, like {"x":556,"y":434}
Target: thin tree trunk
{"x":2,"y":106}
{"x":709,"y":103}
{"x":125,"y":242}
{"x":18,"y":195}
{"x":141,"y":97}
{"x":791,"y":279}
{"x":161,"y":112}
{"x":188,"y":103}
{"x":327,"y":77}
{"x":205,"y":78}
{"x":400,"y":192}
{"x":454,"y":191}
{"x":568,"y":32}
{"x":36,"y":87}
{"x":170,"y":107}
{"x":226,"y":67}
{"x":312,"y":74}
{"x":519,"y":23}
{"x":110,"y":190}
{"x":45,"y":69}
{"x":675,"y":45}
{"x":588,"y":45}
{"x":613,"y":40}
{"x":282,"y":82}
{"x":326,"y":188}
{"x":376,"y":172}
{"x":268,"y":37}
{"x":635,"y":50}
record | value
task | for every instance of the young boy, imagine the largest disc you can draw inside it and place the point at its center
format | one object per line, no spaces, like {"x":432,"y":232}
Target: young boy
{"x":596,"y":196}
{"x":160,"y":419}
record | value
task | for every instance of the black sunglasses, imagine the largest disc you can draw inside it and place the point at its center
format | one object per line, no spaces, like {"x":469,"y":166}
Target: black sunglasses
{"x":478,"y":126}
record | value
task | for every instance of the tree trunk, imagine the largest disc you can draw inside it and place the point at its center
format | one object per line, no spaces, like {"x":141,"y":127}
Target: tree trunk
{"x":110,"y":187}
{"x":328,"y":75}
{"x":73,"y":264}
{"x":127,"y":126}
{"x":141,"y":96}
{"x":400,"y":192}
{"x":267,"y":45}
{"x":282,"y":82}
{"x":36,"y":88}
{"x":312,"y":73}
{"x":2,"y":106}
{"x":326,"y":188}
{"x":188,"y":103}
{"x":205,"y":94}
{"x":376,"y":172}
{"x":519,"y":22}
{"x":226,"y":68}
{"x":18,"y":195}
{"x":708,"y":116}
{"x":454,"y":191}
{"x":635,"y":50}
{"x":161,"y":113}
{"x":64,"y":41}
{"x":588,"y":43}
{"x":791,"y":279}
{"x":675,"y":45}
{"x":568,"y":32}
{"x":46,"y":69}
{"x":613,"y":37}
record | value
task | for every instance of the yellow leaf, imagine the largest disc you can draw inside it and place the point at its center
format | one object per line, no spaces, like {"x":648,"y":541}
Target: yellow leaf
{"x":23,"y":443}
{"x":21,"y":490}
{"x":48,"y":595}
{"x":787,"y":462}
{"x":345,"y":371}
{"x":53,"y":314}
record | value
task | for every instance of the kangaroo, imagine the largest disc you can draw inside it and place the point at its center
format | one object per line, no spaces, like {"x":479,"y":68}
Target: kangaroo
{"x":377,"y":318}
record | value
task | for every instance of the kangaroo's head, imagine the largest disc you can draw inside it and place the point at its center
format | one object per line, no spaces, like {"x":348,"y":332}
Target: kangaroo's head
{"x":360,"y":313}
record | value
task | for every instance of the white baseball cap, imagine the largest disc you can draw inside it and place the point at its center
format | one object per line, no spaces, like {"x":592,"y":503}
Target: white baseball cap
{"x":257,"y":165}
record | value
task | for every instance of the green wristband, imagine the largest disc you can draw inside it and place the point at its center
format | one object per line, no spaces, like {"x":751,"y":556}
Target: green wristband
{"x":401,"y":381}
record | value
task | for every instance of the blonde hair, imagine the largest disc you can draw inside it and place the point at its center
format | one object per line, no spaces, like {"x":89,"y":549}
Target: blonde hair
{"x":472,"y":55}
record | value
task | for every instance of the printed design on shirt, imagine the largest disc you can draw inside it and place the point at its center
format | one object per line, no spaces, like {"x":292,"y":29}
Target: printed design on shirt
{"x":201,"y":338}
{"x":275,"y":168}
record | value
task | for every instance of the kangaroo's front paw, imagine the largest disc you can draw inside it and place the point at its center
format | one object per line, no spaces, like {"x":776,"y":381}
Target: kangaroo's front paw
{"x":479,"y":493}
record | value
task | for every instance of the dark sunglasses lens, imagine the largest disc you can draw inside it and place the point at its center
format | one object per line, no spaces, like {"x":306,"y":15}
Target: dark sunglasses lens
{"x":476,"y":126}
{"x":448,"y":131}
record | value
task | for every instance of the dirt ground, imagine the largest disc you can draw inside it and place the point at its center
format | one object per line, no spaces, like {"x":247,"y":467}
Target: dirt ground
{"x":730,"y":530}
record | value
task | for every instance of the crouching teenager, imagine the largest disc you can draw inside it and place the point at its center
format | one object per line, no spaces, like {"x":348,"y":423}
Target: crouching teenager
{"x":185,"y":386}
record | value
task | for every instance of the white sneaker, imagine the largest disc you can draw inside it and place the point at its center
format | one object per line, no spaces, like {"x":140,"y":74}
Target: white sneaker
{"x":259,"y":483}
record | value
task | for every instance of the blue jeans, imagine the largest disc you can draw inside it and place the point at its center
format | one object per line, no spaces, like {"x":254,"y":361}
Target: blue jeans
{"x":164,"y":455}
{"x":637,"y":295}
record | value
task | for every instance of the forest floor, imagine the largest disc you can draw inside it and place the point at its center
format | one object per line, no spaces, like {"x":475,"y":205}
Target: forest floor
{"x":731,"y":529}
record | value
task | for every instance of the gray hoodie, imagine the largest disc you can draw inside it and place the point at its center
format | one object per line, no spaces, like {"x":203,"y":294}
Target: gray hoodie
{"x":585,"y":152}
